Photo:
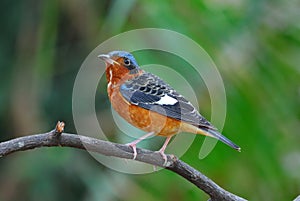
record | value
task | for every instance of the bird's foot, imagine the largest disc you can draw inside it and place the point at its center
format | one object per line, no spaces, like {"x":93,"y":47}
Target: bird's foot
{"x":162,"y":150}
{"x":164,"y":156}
{"x":133,"y":146}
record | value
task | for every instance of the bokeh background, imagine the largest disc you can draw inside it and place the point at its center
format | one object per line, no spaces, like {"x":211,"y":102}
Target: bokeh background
{"x":255,"y":45}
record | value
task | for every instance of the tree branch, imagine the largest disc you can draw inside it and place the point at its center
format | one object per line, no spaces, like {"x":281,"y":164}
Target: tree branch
{"x":57,"y":138}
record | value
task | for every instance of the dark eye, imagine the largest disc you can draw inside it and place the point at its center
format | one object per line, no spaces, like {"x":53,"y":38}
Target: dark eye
{"x":126,"y":61}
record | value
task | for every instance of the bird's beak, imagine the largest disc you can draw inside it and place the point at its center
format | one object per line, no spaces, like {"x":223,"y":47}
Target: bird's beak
{"x":107,"y":59}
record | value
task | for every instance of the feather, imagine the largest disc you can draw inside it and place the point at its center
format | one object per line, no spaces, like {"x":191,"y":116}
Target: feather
{"x":152,"y":93}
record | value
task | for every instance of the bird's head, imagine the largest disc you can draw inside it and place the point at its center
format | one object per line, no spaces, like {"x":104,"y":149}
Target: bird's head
{"x":120,"y":65}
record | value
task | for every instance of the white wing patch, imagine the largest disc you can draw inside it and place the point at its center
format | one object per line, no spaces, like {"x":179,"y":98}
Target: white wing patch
{"x":166,"y":100}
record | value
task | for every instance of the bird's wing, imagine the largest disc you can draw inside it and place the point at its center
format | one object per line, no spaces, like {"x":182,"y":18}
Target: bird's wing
{"x":152,"y":93}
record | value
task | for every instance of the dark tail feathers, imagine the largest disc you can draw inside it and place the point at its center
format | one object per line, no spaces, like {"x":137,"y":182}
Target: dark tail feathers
{"x":222,"y":138}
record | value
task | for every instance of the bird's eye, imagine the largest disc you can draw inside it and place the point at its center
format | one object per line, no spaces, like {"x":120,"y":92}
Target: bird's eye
{"x":127,"y":62}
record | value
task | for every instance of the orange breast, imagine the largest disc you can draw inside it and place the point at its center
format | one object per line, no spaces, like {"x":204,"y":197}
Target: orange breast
{"x":144,"y":119}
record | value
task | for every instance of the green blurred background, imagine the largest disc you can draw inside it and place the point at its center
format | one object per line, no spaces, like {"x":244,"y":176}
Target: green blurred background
{"x":255,"y":45}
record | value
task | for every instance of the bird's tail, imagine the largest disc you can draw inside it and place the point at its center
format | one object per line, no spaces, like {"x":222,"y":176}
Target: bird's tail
{"x":215,"y":134}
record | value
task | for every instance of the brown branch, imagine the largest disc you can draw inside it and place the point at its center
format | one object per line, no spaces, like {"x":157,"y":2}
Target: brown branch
{"x":57,"y":138}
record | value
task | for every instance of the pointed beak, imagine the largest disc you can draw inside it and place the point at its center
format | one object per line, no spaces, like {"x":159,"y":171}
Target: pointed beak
{"x":107,"y":59}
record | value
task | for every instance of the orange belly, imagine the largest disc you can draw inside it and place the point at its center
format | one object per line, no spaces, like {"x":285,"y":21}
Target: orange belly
{"x":147,"y":120}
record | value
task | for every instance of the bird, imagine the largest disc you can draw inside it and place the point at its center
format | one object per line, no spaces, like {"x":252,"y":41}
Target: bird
{"x":147,"y":102}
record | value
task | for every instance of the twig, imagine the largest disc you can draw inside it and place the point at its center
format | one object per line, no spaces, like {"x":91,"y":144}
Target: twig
{"x":59,"y":128}
{"x":57,"y":138}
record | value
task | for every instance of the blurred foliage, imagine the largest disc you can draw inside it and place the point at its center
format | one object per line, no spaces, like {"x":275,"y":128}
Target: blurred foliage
{"x":255,"y":45}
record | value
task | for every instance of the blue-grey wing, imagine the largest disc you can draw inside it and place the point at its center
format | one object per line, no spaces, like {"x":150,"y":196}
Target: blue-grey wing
{"x":152,"y":93}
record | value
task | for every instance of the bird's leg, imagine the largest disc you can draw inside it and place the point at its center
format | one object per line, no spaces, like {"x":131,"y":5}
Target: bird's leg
{"x":162,"y":150}
{"x":133,"y":144}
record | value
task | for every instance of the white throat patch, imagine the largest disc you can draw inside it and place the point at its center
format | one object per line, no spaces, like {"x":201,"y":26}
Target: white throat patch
{"x":110,"y":78}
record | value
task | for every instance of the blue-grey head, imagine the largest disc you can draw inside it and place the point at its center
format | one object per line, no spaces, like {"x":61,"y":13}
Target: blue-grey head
{"x":121,"y":59}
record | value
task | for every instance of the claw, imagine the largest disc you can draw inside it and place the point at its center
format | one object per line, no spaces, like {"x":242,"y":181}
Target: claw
{"x":164,"y":156}
{"x":133,"y":146}
{"x":162,"y":150}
